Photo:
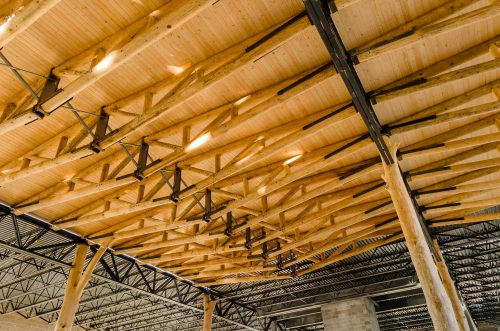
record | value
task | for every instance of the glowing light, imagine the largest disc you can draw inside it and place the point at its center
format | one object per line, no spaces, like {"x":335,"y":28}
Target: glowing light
{"x":4,"y":25}
{"x":262,"y":190}
{"x":240,"y":101}
{"x":176,"y":70}
{"x":199,"y":141}
{"x":243,"y":159}
{"x":105,"y":63}
{"x":292,"y":159}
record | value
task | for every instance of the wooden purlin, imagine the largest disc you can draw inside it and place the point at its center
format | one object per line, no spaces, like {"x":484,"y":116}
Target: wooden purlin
{"x":430,"y":30}
{"x":24,"y":16}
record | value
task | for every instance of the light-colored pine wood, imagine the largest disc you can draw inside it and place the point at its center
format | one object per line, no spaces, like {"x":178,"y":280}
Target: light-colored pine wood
{"x":77,"y":280}
{"x":449,"y":285}
{"x":438,"y":302}
{"x":208,"y":310}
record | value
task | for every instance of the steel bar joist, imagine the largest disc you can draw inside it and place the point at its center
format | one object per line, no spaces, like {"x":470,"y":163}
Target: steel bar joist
{"x":34,"y":263}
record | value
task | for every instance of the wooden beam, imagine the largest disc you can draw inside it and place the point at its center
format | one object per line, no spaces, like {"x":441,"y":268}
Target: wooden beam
{"x":438,"y":302}
{"x":427,"y":83}
{"x":450,"y":288}
{"x":435,"y":14}
{"x":439,"y":67}
{"x":173,"y":16}
{"x":464,"y":219}
{"x":208,"y":310}
{"x":24,"y":17}
{"x":428,"y":31}
{"x":77,"y":280}
{"x":237,"y":280}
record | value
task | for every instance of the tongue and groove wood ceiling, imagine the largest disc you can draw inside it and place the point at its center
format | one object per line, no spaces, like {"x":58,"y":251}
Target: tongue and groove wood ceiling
{"x":224,"y":145}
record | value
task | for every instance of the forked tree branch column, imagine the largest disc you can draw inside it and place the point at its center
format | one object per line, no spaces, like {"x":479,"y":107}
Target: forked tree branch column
{"x":438,"y":302}
{"x":208,"y":310}
{"x":77,"y":280}
{"x":449,"y":285}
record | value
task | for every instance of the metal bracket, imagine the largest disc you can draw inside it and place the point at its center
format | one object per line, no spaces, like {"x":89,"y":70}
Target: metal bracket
{"x":208,"y":206}
{"x":176,"y":189}
{"x":248,"y":237}
{"x":229,"y":224}
{"x":50,"y":89}
{"x":142,"y":161}
{"x":100,"y":132}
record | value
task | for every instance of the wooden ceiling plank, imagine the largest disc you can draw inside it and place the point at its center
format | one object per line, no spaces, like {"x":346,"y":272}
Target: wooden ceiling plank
{"x":467,"y":219}
{"x":451,"y":145}
{"x":483,"y":109}
{"x":234,"y":58}
{"x":353,"y":220}
{"x":432,"y":30}
{"x":351,"y":253}
{"x":341,"y":207}
{"x":24,"y":17}
{"x":238,"y":280}
{"x":435,"y":14}
{"x":384,"y":221}
{"x":338,"y":117}
{"x":173,"y":15}
{"x":440,"y":67}
{"x":454,"y":169}
{"x":461,"y":188}
{"x":445,"y":78}
{"x":460,"y":157}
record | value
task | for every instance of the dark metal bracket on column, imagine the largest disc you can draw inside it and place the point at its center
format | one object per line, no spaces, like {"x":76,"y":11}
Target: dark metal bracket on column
{"x":100,"y":131}
{"x":176,"y":190}
{"x":50,"y":89}
{"x":208,"y":206}
{"x":229,"y":224}
{"x":250,"y":237}
{"x":142,"y":160}
{"x":320,"y":15}
{"x":266,"y":249}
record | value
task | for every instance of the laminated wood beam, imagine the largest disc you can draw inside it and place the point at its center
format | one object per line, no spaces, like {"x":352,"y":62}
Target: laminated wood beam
{"x":438,"y":302}
{"x":170,"y":18}
{"x":334,"y":230}
{"x":435,"y":14}
{"x":487,"y":108}
{"x":351,"y":253}
{"x":438,"y":67}
{"x":451,"y":146}
{"x":439,"y":80}
{"x":432,"y":30}
{"x":24,"y":17}
{"x":451,"y":103}
{"x":443,"y":221}
{"x":234,"y":59}
{"x":343,"y":4}
{"x":453,"y":169}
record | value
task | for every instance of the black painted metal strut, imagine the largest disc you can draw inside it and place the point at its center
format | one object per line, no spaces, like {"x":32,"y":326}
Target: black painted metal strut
{"x":319,"y":14}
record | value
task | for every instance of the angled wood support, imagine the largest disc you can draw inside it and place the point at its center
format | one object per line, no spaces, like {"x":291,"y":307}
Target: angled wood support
{"x":450,"y":288}
{"x":77,"y":280}
{"x":438,"y":301}
{"x":208,"y":310}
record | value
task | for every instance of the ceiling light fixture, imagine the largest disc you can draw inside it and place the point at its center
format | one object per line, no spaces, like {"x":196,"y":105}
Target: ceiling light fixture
{"x":292,"y":159}
{"x":199,"y":141}
{"x":105,"y":63}
{"x":3,"y":26}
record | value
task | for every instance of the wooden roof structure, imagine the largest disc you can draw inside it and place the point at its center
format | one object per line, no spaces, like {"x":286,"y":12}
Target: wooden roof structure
{"x":216,"y":141}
